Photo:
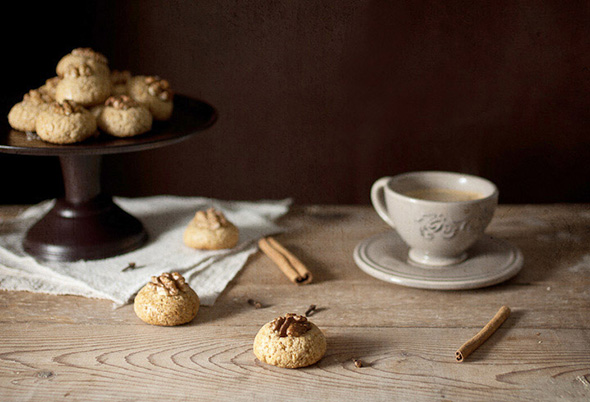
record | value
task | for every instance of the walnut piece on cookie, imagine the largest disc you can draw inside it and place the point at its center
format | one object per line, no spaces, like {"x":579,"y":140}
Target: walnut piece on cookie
{"x":65,"y":123}
{"x":154,"y":93}
{"x":210,"y":230}
{"x":290,"y":342}
{"x":121,"y":116}
{"x":23,"y":115}
{"x":83,"y":55}
{"x":167,"y":300}
{"x":82,"y":85}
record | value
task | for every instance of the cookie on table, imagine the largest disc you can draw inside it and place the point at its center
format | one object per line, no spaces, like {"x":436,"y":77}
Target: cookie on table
{"x":50,"y":87}
{"x":154,"y":93}
{"x":119,"y":80}
{"x":290,"y":342}
{"x":121,"y":116}
{"x":210,"y":230}
{"x":83,"y":55}
{"x":23,"y":115}
{"x":167,"y":300}
{"x":82,"y":85}
{"x":65,"y":123}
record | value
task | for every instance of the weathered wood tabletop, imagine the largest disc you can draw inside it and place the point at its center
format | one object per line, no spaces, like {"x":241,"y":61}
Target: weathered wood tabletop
{"x":73,"y":348}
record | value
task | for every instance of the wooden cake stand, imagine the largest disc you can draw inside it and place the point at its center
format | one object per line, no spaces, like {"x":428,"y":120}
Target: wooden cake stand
{"x":86,"y":223}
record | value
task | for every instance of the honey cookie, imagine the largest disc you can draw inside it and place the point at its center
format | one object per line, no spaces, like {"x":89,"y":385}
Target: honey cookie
{"x":167,"y":300}
{"x":23,"y":115}
{"x":121,"y":116}
{"x":119,"y":80}
{"x":83,"y":55}
{"x":154,"y":93}
{"x":65,"y":123}
{"x":290,"y":342}
{"x":82,"y":85}
{"x":210,"y":230}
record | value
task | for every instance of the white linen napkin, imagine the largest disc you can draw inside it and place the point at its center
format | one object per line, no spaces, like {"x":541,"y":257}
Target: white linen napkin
{"x":164,"y":218}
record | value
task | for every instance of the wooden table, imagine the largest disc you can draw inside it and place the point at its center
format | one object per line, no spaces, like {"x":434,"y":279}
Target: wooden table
{"x":72,"y":348}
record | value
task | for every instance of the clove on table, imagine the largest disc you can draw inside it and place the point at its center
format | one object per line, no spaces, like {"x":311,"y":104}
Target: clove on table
{"x":311,"y":310}
{"x":255,"y":303}
{"x":129,"y":266}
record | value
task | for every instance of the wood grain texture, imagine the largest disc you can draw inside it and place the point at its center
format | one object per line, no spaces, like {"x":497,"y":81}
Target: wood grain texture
{"x":72,"y":348}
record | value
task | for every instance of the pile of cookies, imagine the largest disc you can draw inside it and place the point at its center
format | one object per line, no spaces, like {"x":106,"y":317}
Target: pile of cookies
{"x":87,"y":95}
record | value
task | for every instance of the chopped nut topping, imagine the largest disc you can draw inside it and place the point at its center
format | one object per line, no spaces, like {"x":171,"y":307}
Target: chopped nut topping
{"x":120,"y":77}
{"x":290,"y":325}
{"x":121,"y":102}
{"x":170,"y":283}
{"x":90,"y":53}
{"x":67,"y":107}
{"x":37,"y":97}
{"x":83,"y":70}
{"x":210,"y":219}
{"x":159,"y":87}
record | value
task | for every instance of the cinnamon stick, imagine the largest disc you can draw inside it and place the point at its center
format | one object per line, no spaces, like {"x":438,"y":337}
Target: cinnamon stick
{"x":471,"y":345}
{"x":286,"y":261}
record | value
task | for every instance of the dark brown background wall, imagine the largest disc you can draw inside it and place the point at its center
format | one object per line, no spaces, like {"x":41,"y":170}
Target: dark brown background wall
{"x":317,"y":100}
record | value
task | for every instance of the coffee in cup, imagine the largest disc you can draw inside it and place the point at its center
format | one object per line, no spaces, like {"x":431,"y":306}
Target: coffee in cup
{"x":442,"y":194}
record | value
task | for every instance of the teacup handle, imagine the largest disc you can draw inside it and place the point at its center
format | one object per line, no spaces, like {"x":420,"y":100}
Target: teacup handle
{"x":378,"y":199}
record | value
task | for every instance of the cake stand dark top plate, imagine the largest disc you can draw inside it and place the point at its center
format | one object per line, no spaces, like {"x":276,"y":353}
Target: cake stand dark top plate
{"x":189,"y":116}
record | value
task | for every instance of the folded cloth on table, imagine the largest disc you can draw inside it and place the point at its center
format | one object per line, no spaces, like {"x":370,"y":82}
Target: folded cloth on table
{"x":164,"y":218}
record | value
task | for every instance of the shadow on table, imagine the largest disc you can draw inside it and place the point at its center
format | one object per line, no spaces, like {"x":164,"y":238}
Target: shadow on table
{"x":218,"y":312}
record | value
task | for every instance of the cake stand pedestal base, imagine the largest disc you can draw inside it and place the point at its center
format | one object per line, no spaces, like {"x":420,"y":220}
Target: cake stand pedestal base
{"x":85,"y":225}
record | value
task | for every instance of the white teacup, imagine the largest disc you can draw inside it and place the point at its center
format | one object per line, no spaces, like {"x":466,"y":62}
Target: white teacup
{"x":438,"y":214}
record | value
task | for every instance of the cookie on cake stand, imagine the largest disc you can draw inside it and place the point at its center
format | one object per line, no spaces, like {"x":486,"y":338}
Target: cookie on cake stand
{"x":121,"y":116}
{"x":23,"y":115}
{"x":83,"y":55}
{"x":154,"y":93}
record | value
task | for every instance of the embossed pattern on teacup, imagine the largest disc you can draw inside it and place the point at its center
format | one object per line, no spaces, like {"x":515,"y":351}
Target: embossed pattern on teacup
{"x":441,"y":225}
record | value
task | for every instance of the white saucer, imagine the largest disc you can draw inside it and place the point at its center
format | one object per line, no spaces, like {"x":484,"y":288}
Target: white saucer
{"x":490,"y":261}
